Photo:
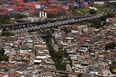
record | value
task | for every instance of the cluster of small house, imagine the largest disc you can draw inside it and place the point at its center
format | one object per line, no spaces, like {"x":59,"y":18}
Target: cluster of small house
{"x":85,"y":47}
{"x":11,"y":7}
{"x":27,"y":53}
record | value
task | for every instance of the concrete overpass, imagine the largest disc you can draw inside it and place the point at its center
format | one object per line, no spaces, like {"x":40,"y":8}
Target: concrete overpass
{"x":32,"y":26}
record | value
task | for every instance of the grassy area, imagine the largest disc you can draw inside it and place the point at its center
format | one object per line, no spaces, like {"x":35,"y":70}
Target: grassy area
{"x":84,"y":10}
{"x":78,"y":12}
{"x":75,"y":12}
{"x":101,"y":8}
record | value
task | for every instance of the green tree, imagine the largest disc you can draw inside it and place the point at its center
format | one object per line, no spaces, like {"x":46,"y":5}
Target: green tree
{"x":5,"y":58}
{"x":56,"y":27}
{"x":2,"y":52}
{"x":110,"y":15}
{"x":103,"y":18}
{"x":66,"y":30}
{"x":18,"y":16}
{"x":97,"y":22}
{"x":104,"y":23}
{"x":92,"y":11}
{"x":59,"y":55}
{"x":110,"y":45}
{"x":113,"y":65}
{"x":48,"y":36}
{"x":4,"y":20}
{"x":2,"y":56}
{"x":7,"y":34}
{"x":106,"y":4}
{"x":61,"y":66}
{"x":50,"y":15}
{"x":52,"y":30}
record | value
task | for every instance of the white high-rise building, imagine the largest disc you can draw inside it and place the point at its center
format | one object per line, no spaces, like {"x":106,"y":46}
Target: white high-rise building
{"x":42,"y":14}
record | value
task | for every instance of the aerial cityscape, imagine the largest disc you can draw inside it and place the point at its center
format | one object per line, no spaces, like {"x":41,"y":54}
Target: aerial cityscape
{"x":57,"y":38}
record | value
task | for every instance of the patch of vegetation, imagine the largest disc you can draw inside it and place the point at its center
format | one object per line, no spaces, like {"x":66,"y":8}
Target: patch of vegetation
{"x":4,"y":20}
{"x":92,"y":11}
{"x":39,"y":33}
{"x":34,"y":15}
{"x":50,"y":15}
{"x":82,"y":23}
{"x":66,"y":30}
{"x":7,"y":34}
{"x":52,"y":30}
{"x":61,"y":66}
{"x":57,"y":56}
{"x":81,"y":11}
{"x":18,"y":16}
{"x":2,"y":56}
{"x":97,"y":22}
{"x":113,"y":66}
{"x":76,"y":12}
{"x":110,"y":45}
{"x":102,"y":8}
{"x":84,"y":10}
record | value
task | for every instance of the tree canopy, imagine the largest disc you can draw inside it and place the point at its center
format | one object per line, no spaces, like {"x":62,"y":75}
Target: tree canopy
{"x":18,"y":16}
{"x":57,"y":56}
{"x":7,"y":34}
{"x":113,"y":66}
{"x":110,"y":45}
{"x":4,"y":20}
{"x":106,"y":3}
{"x":92,"y":11}
{"x":50,"y":15}
{"x":97,"y":22}
{"x":61,"y":66}
{"x":2,"y":56}
{"x":66,"y":30}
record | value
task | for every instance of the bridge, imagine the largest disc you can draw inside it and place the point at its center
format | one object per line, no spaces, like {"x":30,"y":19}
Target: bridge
{"x":32,"y":26}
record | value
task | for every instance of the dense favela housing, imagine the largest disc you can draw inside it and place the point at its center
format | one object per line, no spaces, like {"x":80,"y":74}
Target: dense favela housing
{"x":57,"y":38}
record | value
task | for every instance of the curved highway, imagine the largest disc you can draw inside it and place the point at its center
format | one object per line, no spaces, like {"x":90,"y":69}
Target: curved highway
{"x":47,"y":23}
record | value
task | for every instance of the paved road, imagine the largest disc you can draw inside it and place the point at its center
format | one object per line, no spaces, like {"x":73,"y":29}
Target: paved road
{"x":60,"y":71}
{"x":68,"y":67}
{"x":22,"y":67}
